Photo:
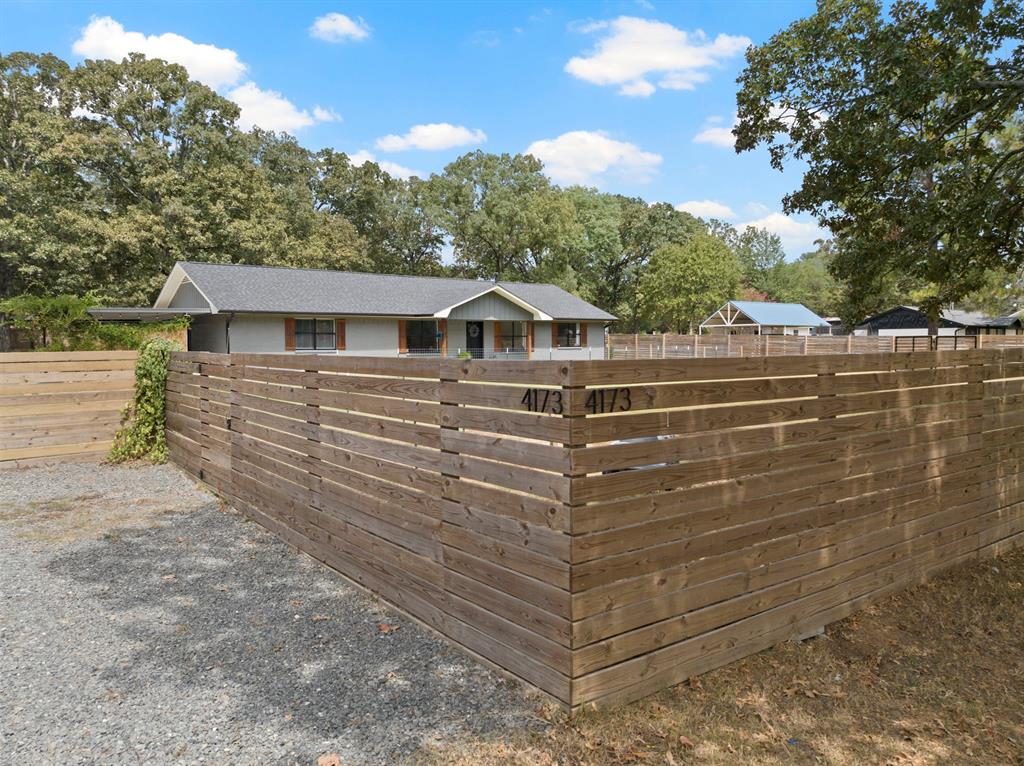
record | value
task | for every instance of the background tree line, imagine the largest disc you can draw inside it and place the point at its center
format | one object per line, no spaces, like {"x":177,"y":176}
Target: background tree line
{"x":110,"y":172}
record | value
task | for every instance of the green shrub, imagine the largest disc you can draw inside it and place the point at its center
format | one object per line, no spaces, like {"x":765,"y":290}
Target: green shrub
{"x":62,"y":323}
{"x":141,"y":436}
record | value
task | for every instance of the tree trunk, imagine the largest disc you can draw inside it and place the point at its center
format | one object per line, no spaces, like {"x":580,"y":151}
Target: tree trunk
{"x":932,"y":311}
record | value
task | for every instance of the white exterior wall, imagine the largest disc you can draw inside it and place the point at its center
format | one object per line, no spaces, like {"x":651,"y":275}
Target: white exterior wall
{"x":907,"y":332}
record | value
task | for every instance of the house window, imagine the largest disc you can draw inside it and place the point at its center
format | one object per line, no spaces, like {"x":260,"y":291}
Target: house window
{"x":421,"y":336}
{"x":568,"y":334}
{"x":513,"y":336}
{"x":315,"y":335}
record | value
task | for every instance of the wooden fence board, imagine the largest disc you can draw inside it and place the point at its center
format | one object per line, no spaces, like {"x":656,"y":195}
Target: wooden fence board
{"x":61,"y":405}
{"x":601,"y":551}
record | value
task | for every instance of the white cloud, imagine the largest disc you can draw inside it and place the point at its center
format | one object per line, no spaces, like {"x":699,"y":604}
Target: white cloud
{"x":634,"y":49}
{"x":797,"y":236}
{"x":715,"y":134}
{"x":583,"y":157}
{"x":320,"y":114}
{"x":268,"y":109}
{"x":756,"y":208}
{"x":337,"y":28}
{"x":104,"y":38}
{"x":392,"y":168}
{"x":706,"y":208}
{"x":432,"y":137}
{"x":220,"y":68}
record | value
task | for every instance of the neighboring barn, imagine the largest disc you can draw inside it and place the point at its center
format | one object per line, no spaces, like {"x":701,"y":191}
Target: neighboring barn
{"x":909,"y":321}
{"x":764,"y":318}
{"x":268,"y":309}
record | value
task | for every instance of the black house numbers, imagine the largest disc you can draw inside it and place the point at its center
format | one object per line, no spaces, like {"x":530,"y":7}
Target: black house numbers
{"x":599,"y":401}
{"x":543,"y":400}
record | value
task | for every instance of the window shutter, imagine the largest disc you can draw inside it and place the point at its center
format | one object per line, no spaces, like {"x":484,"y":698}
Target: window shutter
{"x":554,"y":335}
{"x":529,"y":340}
{"x":403,"y":344}
{"x":289,"y":334}
{"x":339,"y":333}
{"x":583,"y":333}
{"x":442,"y":327}
{"x":497,"y":336}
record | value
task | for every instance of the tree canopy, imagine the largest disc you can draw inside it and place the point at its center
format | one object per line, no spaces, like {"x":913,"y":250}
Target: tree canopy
{"x":910,"y":122}
{"x":112,"y":171}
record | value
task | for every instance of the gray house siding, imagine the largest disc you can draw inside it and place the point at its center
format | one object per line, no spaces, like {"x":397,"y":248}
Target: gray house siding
{"x":492,"y":307}
{"x":257,"y":334}
{"x":188,"y":297}
{"x":207,"y":333}
{"x":369,"y":336}
{"x":593,"y":350}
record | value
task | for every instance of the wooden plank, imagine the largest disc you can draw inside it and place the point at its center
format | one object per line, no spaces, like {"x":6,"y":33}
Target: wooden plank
{"x":9,"y":357}
{"x":78,"y":365}
{"x":49,"y":450}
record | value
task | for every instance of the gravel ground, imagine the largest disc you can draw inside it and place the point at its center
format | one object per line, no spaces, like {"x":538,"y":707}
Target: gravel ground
{"x":142,"y":623}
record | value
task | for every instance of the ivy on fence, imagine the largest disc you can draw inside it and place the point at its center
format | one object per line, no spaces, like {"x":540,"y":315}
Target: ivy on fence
{"x":141,"y":436}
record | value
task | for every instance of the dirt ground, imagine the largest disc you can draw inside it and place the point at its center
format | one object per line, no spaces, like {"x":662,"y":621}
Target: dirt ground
{"x":934,"y":675}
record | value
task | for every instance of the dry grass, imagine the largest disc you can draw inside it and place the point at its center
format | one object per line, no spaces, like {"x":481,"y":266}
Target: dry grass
{"x":934,"y":675}
{"x":85,"y":517}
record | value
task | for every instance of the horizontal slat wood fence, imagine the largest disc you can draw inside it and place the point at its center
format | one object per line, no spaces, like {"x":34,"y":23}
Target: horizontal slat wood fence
{"x":669,"y":346}
{"x":604,"y":529}
{"x":61,"y":406}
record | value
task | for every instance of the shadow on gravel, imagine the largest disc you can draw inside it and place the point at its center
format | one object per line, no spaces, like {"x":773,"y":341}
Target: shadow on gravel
{"x":217,"y":602}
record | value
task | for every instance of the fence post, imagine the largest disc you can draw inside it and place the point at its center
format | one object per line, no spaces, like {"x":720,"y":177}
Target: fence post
{"x":313,"y":418}
{"x":663,"y":345}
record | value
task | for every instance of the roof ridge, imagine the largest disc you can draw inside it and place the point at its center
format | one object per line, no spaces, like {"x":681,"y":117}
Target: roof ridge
{"x":367,"y":273}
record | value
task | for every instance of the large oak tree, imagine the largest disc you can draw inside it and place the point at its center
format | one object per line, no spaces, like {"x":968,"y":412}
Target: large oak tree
{"x":909,"y":122}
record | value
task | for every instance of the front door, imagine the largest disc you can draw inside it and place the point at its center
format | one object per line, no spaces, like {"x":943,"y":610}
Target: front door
{"x":475,"y":339}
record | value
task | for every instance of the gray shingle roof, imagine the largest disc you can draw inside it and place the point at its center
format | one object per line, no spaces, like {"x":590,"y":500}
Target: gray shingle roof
{"x":277,"y":290}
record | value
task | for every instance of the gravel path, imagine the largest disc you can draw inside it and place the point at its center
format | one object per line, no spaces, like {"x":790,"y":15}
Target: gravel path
{"x":141,"y":623}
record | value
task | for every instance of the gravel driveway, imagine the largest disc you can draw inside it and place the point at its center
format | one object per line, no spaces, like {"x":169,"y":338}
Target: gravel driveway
{"x":142,"y":623}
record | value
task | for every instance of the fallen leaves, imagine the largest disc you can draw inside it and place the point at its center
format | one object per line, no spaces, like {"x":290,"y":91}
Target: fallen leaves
{"x":329,"y":759}
{"x":386,"y":628}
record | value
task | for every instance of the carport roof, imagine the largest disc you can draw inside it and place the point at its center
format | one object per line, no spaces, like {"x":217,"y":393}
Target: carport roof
{"x":784,"y":314}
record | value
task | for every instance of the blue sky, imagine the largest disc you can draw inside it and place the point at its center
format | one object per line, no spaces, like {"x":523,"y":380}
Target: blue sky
{"x":633,"y":97}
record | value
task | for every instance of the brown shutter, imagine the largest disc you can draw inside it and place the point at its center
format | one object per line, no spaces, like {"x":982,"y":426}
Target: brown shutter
{"x":403,"y":344}
{"x":339,"y":334}
{"x":497,"y":337}
{"x":442,"y":327}
{"x":583,"y":333}
{"x":289,"y":334}
{"x":529,"y":340}
{"x":554,"y":335}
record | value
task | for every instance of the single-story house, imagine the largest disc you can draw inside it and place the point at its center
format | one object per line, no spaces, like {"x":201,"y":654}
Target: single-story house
{"x":764,"y":318}
{"x":909,"y":320}
{"x":263,"y":309}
